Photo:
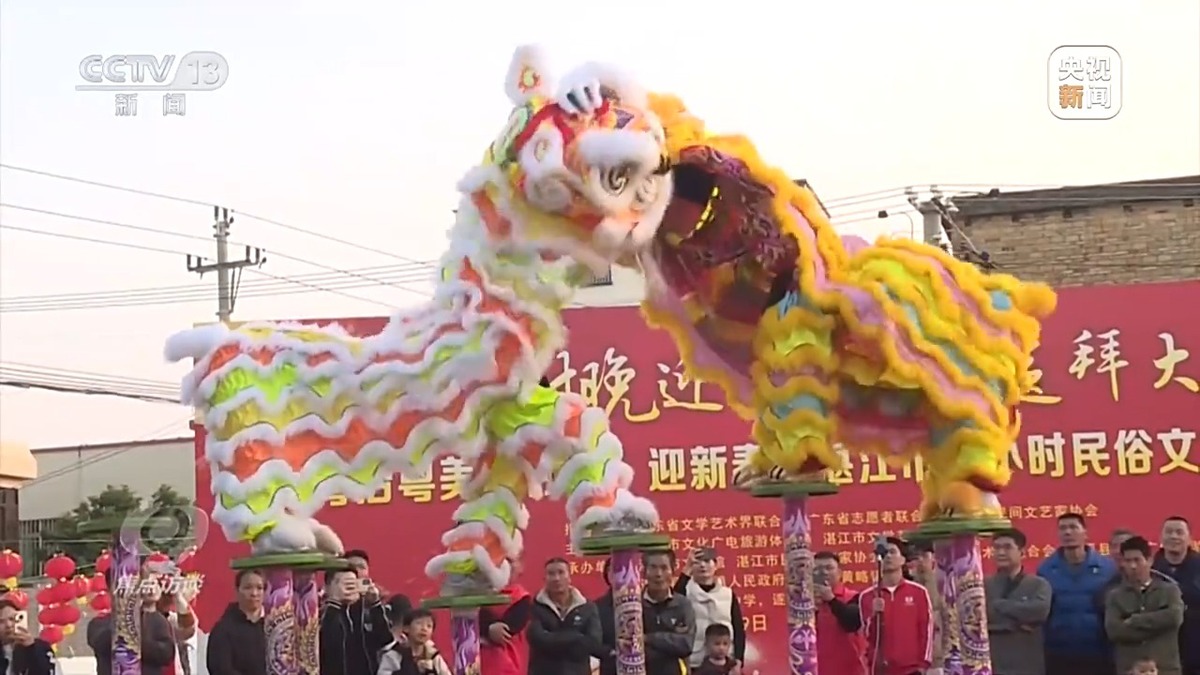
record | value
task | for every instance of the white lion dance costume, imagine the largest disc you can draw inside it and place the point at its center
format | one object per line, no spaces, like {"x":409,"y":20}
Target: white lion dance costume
{"x":296,"y":415}
{"x":894,"y":348}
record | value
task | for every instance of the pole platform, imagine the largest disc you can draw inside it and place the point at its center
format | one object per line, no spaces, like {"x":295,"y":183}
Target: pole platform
{"x":797,"y":554}
{"x":626,"y":549}
{"x":291,"y":609}
{"x":959,"y":558}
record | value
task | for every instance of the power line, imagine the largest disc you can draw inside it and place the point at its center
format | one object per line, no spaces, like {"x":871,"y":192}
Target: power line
{"x":157,"y":290}
{"x":185,"y":200}
{"x":259,"y":271}
{"x":108,"y":454}
{"x":196,"y":296}
{"x":191,"y":294}
{"x":169,"y":233}
{"x":90,"y":240}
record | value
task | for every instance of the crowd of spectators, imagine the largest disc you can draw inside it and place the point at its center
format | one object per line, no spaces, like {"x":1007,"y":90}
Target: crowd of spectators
{"x":1135,"y":611}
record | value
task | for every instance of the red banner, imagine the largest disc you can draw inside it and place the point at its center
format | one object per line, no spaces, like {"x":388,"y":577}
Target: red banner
{"x":1115,"y":417}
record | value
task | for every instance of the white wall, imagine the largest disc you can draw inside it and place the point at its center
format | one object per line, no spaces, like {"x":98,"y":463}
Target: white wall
{"x":67,"y":476}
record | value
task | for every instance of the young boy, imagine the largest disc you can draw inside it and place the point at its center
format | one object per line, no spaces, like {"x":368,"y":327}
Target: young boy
{"x":397,"y":657}
{"x":420,"y":625}
{"x":718,"y":643}
{"x":1144,"y":667}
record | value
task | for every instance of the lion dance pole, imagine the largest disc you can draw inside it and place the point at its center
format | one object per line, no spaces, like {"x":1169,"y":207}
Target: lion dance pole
{"x":291,"y":611}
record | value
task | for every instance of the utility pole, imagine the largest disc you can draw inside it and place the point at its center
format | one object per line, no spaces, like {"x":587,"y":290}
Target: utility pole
{"x":229,"y":272}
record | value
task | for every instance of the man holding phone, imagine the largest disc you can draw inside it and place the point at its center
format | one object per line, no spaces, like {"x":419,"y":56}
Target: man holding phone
{"x":354,"y":625}
{"x":841,"y":649}
{"x":20,"y":652}
{"x":712,"y":602}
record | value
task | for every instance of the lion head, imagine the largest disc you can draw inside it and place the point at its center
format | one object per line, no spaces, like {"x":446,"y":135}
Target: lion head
{"x":593,"y":186}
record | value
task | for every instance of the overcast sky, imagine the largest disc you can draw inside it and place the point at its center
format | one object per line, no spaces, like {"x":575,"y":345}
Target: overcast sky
{"x":356,"y":118}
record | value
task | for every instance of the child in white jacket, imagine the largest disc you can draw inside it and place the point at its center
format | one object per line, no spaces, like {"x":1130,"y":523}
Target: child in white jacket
{"x":413,"y":649}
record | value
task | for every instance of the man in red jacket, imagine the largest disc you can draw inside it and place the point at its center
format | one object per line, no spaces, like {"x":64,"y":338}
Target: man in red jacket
{"x":840,"y":647}
{"x":897,"y":617}
{"x":503,"y":649}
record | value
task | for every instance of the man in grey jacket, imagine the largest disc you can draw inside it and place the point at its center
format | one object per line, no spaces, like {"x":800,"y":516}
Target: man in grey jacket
{"x":1018,"y":604}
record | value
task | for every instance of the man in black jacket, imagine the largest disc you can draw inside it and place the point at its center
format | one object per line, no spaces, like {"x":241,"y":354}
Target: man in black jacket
{"x":564,"y":628}
{"x":20,"y":652}
{"x":667,"y":617}
{"x":354,"y":626}
{"x":608,"y":628}
{"x":1177,"y":560}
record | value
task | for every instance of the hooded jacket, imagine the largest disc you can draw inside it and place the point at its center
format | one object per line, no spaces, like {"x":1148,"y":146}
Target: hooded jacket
{"x":1076,"y":624}
{"x":512,"y":657}
{"x":562,"y":641}
{"x":1187,"y":575}
{"x":235,"y":645}
{"x":352,"y":637}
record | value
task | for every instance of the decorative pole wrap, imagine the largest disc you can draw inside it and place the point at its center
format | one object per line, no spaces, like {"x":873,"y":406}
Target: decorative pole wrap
{"x":308,"y":622}
{"x":627,"y":608}
{"x":279,"y":622}
{"x":798,"y":562}
{"x":464,"y":625}
{"x":464,"y":635}
{"x":801,"y":606}
{"x":291,"y":613}
{"x":127,"y":603}
{"x":970,"y":606}
{"x":625,"y":569}
{"x":949,"y":638}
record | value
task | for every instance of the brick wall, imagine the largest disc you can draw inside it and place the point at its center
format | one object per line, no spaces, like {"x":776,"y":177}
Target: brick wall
{"x":1106,"y":244}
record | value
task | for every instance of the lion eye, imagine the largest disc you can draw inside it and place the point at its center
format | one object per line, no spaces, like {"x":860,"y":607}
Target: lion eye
{"x":647,"y":190}
{"x":616,"y":179}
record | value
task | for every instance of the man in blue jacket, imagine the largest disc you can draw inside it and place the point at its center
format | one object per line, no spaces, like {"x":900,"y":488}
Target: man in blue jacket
{"x":1181,"y":563}
{"x":1077,"y":573}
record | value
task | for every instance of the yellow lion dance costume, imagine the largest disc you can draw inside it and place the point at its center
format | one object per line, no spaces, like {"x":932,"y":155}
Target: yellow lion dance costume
{"x":896,"y":348}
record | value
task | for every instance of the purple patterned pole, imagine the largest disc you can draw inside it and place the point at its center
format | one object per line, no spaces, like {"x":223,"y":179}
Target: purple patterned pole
{"x":627,"y":608}
{"x":948,"y":620}
{"x":127,"y":604}
{"x":464,"y":634}
{"x":970,"y":606}
{"x":801,"y":606}
{"x":279,"y":621}
{"x":308,"y":623}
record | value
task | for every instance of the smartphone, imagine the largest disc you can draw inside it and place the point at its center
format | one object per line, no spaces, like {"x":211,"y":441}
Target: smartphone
{"x":365,"y":585}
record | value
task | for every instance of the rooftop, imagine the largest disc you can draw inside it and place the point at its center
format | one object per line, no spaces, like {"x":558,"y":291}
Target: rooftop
{"x":997,"y":203}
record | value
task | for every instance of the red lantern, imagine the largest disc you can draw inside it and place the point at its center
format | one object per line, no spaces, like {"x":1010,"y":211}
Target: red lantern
{"x":97,"y":584}
{"x":19,"y":598}
{"x":68,"y":615}
{"x":82,"y":585}
{"x":104,"y":562}
{"x":11,"y":564}
{"x":63,"y":591}
{"x":52,"y":634}
{"x":45,"y":596}
{"x":101,"y":602}
{"x":60,"y":567}
{"x":50,"y":615}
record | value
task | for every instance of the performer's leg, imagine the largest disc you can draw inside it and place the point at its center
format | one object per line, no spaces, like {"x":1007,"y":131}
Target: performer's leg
{"x":488,"y":526}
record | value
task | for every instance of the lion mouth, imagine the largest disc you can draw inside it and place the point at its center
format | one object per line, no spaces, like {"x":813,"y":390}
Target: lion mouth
{"x":718,"y":243}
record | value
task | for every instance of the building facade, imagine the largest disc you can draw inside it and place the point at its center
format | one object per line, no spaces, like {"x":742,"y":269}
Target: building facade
{"x":1122,"y":233}
{"x":69,"y":475}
